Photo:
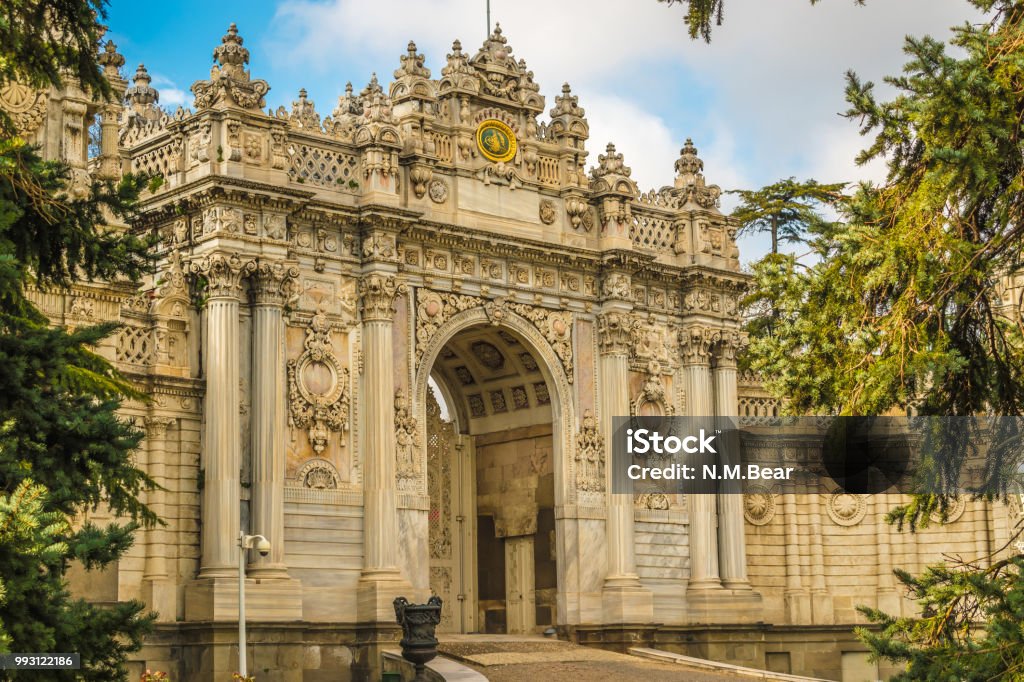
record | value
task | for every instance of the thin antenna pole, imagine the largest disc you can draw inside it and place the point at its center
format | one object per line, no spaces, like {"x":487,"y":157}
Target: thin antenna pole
{"x":488,"y":18}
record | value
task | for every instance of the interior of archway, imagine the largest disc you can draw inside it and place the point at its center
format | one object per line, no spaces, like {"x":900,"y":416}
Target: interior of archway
{"x":491,"y":483}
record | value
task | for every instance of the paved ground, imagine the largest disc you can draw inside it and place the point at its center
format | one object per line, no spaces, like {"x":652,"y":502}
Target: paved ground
{"x":538,"y":660}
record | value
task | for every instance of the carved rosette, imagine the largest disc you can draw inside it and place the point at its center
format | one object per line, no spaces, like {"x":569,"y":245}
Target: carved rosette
{"x":377,"y":296}
{"x":271,"y":283}
{"x":318,"y":387}
{"x":222,"y":274}
{"x":758,"y":505}
{"x":25,"y":106}
{"x":318,"y":474}
{"x":407,"y":444}
{"x":615,"y":332}
{"x":590,"y":456}
{"x":846,"y":509}
{"x":696,"y":345}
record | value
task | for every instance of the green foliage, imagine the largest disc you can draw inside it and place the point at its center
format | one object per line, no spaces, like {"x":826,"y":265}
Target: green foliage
{"x":63,"y":449}
{"x":970,"y":627}
{"x":788,"y":210}
{"x":898,"y":309}
{"x":701,"y":15}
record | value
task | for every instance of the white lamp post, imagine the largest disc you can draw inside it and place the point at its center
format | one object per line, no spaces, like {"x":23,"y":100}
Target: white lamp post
{"x":261,"y":545}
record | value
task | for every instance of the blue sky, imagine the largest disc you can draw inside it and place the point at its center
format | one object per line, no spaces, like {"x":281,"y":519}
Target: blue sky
{"x":761,"y":102}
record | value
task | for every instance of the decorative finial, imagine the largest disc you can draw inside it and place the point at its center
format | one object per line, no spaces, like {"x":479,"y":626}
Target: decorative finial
{"x":141,"y":94}
{"x":689,"y":163}
{"x":110,"y":60}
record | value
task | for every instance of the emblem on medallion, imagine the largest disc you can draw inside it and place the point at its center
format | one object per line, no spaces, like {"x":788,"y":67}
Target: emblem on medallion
{"x":496,"y":141}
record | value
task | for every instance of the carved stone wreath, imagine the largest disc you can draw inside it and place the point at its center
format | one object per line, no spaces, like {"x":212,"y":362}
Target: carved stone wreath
{"x":846,"y":509}
{"x":438,"y":191}
{"x":758,"y":505}
{"x":318,"y":397}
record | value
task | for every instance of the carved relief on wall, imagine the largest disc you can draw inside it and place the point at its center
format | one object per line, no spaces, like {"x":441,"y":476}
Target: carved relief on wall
{"x":318,"y":387}
{"x":318,"y":474}
{"x":652,"y":400}
{"x":590,"y":456}
{"x":758,"y":505}
{"x":846,"y":509}
{"x":435,"y":308}
{"x":407,"y":445}
{"x":25,"y":106}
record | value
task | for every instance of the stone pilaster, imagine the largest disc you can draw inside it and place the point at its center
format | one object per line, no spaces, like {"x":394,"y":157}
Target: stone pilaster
{"x":222,"y":275}
{"x":698,"y":382}
{"x":269,"y":289}
{"x":624,"y":599}
{"x":381,"y":580}
{"x":731,"y":541}
{"x":157,"y":587}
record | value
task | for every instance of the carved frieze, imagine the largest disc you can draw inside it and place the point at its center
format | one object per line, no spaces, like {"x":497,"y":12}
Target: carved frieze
{"x":318,"y":387}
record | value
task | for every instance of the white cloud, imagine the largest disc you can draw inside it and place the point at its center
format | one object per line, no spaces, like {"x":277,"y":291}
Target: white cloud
{"x":171,"y":96}
{"x":761,"y":101}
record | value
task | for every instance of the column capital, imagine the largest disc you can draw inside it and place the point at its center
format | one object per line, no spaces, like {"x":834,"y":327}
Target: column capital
{"x":156,"y":427}
{"x":271,"y":282}
{"x":615,"y":332}
{"x":729,"y":347}
{"x":377,"y":293}
{"x":696,"y":344}
{"x":223,"y":273}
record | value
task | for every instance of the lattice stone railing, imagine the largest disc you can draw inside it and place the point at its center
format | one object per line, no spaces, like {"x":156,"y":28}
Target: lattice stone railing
{"x":164,"y":161}
{"x":135,"y":346}
{"x":651,"y":232}
{"x":547,"y":170}
{"x":755,"y":403}
{"x":331,"y":169}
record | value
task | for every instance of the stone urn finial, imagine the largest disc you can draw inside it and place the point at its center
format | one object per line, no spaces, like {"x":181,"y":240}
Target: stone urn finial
{"x":418,"y":621}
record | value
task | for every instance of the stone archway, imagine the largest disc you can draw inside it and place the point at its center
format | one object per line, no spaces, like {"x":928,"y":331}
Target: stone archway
{"x":513,"y":405}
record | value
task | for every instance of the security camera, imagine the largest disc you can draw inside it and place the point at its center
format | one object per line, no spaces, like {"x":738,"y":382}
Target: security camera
{"x":263,"y":546}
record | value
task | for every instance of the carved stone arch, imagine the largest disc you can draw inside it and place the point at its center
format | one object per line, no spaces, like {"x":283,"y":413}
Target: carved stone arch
{"x":564,"y":423}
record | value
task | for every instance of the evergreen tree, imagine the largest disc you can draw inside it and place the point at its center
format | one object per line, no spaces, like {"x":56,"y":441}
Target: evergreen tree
{"x":788,"y":210}
{"x":701,"y":15}
{"x":900,"y":309}
{"x":63,"y":449}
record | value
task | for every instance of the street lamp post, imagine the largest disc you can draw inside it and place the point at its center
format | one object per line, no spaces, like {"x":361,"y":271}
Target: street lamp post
{"x":261,"y":545}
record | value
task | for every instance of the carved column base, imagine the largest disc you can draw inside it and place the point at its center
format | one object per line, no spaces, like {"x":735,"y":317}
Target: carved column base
{"x":160,"y":595}
{"x":626,"y":603}
{"x":376,"y":595}
{"x":267,"y":571}
{"x":265,"y":600}
{"x":798,"y":607}
{"x":724,"y":606}
{"x":736,"y":584}
{"x":823,"y":609}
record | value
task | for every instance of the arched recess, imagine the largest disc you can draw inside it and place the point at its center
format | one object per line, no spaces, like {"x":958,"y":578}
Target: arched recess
{"x":562,"y":404}
{"x":562,"y":419}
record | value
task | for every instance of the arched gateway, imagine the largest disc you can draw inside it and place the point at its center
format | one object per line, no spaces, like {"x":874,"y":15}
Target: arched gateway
{"x":315,"y":271}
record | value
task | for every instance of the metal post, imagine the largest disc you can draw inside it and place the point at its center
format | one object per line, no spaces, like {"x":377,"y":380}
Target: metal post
{"x":488,"y":18}
{"x":241,"y":605}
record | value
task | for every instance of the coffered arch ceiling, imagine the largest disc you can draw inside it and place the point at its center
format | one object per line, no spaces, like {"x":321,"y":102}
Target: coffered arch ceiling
{"x":494,"y":379}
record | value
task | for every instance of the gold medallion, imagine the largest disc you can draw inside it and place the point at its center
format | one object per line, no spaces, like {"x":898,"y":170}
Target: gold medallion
{"x":496,"y":141}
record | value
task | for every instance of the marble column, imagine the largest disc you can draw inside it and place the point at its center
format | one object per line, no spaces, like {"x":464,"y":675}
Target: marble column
{"x":157,"y":587}
{"x":625,"y":600}
{"x":698,"y":383}
{"x":731,"y":538}
{"x":381,"y":579}
{"x":269,"y":419}
{"x":221,"y":445}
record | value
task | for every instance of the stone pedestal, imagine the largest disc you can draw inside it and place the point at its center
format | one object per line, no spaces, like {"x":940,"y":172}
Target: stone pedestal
{"x":216,"y":599}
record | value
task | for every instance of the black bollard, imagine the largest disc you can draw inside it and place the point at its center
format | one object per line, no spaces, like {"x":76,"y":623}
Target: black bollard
{"x":418,"y":621}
